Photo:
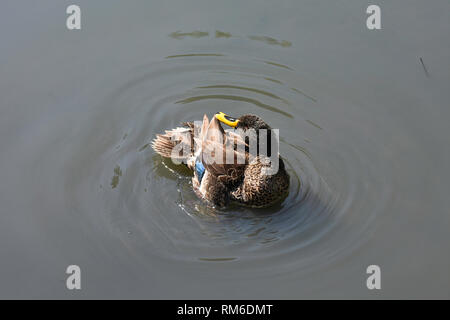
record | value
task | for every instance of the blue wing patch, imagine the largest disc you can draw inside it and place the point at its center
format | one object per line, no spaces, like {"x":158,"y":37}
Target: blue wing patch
{"x":200,"y":169}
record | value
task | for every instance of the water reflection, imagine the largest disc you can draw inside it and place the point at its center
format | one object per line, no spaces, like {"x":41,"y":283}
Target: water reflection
{"x":222,"y":34}
{"x":271,"y":41}
{"x":235,"y":98}
{"x":194,"y":34}
{"x":116,"y":177}
{"x":277,"y":64}
{"x":195,"y":55}
{"x":218,"y":86}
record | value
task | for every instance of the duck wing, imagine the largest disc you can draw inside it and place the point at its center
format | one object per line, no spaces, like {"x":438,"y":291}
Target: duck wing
{"x":222,"y":153}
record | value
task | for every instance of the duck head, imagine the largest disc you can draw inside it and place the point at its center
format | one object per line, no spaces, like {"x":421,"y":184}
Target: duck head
{"x":244,"y":122}
{"x":253,"y":122}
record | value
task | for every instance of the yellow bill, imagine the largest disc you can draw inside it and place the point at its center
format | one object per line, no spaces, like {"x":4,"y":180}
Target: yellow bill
{"x":229,"y":121}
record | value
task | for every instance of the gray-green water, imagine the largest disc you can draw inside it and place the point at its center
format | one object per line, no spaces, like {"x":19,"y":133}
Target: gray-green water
{"x":363,"y":127}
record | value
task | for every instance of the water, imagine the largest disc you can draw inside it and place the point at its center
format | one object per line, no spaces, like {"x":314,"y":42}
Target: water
{"x":364,"y":132}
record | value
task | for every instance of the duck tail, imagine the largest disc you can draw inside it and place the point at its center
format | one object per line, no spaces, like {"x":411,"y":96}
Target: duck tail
{"x":177,"y":144}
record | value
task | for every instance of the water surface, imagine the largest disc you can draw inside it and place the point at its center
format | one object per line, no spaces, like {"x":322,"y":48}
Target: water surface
{"x":363,"y":118}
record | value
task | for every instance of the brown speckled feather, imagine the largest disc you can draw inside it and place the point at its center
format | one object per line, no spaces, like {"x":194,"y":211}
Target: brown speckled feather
{"x":258,"y":190}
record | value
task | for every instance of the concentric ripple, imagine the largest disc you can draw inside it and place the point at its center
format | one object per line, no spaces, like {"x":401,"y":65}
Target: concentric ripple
{"x":148,"y":202}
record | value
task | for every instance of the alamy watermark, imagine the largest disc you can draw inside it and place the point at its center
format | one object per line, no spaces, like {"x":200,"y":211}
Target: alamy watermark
{"x":374,"y":280}
{"x":74,"y":279}
{"x":73,"y":21}
{"x":373,"y":22}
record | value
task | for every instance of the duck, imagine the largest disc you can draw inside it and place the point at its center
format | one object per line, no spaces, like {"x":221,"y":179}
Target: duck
{"x":226,"y":169}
